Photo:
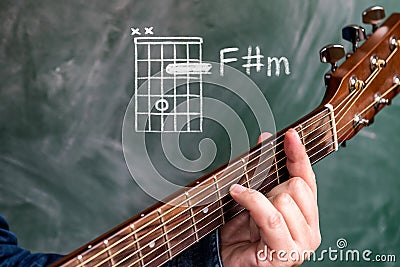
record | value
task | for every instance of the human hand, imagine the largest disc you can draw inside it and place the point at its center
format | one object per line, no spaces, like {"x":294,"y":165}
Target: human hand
{"x":286,"y":221}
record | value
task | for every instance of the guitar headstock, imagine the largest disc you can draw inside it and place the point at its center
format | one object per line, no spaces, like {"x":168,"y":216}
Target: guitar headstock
{"x":369,"y":78}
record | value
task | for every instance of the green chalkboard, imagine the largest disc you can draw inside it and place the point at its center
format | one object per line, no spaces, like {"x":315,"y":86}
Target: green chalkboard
{"x":67,"y":76}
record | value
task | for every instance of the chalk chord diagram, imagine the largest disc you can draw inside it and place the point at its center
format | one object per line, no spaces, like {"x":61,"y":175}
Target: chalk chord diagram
{"x":168,"y":84}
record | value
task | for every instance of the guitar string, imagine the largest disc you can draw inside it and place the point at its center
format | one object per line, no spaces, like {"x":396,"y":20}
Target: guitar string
{"x":357,"y":98}
{"x":220,"y":180}
{"x":170,"y":219}
{"x":241,"y":210}
{"x":278,"y":152}
{"x":164,"y":235}
{"x":371,"y":77}
{"x":353,"y":99}
{"x":352,"y":93}
{"x":206,"y":225}
{"x":351,"y":96}
{"x":394,"y":86}
{"x":218,"y":225}
{"x":209,"y":205}
{"x":196,"y":231}
{"x":258,"y":189}
{"x":264,"y":187}
{"x":150,"y":232}
{"x":374,"y":73}
{"x":208,"y":232}
{"x":241,"y":174}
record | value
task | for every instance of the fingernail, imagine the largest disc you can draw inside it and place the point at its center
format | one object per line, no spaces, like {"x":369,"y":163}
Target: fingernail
{"x":296,"y":134}
{"x":237,"y":189}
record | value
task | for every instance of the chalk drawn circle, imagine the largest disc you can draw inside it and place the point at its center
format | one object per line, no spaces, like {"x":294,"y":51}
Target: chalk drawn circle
{"x":161,"y":105}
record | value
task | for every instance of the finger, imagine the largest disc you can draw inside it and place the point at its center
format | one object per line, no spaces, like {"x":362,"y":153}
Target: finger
{"x":263,"y":136}
{"x":298,"y":163}
{"x":269,"y":220}
{"x":294,"y":218}
{"x":230,"y":234}
{"x":304,"y":198}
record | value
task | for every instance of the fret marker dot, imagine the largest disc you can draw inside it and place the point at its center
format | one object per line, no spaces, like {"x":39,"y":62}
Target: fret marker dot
{"x":89,"y":247}
{"x":142,"y":215}
{"x":205,"y":210}
{"x":80,"y":257}
{"x":152,"y":244}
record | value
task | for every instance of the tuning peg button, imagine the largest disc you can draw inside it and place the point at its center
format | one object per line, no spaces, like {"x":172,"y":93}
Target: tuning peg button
{"x":379,"y":100}
{"x":373,"y":15}
{"x":354,"y":34}
{"x":394,"y":43}
{"x":358,"y":120}
{"x":332,"y":54}
{"x":396,"y":80}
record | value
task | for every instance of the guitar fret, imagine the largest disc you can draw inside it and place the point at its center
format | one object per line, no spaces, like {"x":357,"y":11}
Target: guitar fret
{"x":267,"y":175}
{"x":279,"y":162}
{"x":225,"y":179}
{"x":301,"y":133}
{"x":275,"y":172}
{"x":97,"y":255}
{"x":132,"y":227}
{"x":246,"y":175}
{"x":151,"y":239}
{"x":319,"y":135}
{"x":333,"y":126}
{"x":108,"y":252}
{"x":191,"y":216}
{"x":219,"y":199}
{"x":204,"y":201}
{"x":164,"y":232}
{"x":275,"y":164}
{"x":178,"y":224}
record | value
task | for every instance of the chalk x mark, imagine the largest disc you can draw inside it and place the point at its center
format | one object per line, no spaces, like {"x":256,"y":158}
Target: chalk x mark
{"x":148,"y":30}
{"x":135,"y":31}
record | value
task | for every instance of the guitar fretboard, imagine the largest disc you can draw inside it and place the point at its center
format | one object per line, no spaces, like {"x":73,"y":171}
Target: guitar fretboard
{"x":166,"y":229}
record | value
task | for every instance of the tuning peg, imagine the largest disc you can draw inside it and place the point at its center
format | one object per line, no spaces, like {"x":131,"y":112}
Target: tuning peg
{"x":379,"y":100}
{"x":354,"y":34}
{"x":332,"y":54}
{"x":359,"y":120}
{"x":373,"y":15}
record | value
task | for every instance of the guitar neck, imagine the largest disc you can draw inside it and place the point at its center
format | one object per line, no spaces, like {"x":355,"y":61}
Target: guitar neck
{"x":164,"y":230}
{"x":358,"y":89}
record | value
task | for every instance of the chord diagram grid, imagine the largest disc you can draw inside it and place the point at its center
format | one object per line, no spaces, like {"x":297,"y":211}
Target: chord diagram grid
{"x":168,"y":84}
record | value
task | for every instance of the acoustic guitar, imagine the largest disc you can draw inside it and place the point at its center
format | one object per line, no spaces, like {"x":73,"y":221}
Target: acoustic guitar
{"x":356,"y":91}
